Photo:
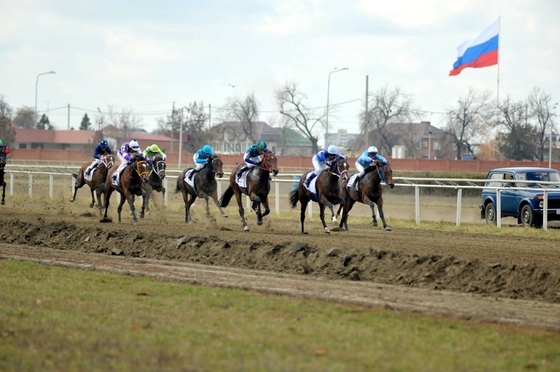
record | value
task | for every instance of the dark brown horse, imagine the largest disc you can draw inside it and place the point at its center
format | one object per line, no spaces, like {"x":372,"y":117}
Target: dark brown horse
{"x":130,"y":184}
{"x":370,"y":192}
{"x":2,"y":182}
{"x":258,"y":187}
{"x":205,"y":186}
{"x":327,"y":191}
{"x":155,"y":183}
{"x":98,"y":177}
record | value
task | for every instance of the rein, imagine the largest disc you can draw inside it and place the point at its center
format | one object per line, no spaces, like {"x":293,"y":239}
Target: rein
{"x":141,"y":173}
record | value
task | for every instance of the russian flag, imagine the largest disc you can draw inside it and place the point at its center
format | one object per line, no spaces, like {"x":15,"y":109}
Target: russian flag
{"x":482,"y":51}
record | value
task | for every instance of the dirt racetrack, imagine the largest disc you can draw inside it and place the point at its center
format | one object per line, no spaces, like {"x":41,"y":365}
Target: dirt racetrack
{"x":488,"y":277}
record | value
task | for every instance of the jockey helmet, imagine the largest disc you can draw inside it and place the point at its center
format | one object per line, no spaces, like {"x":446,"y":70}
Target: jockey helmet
{"x":0,"y":142}
{"x":261,"y":145}
{"x":372,"y":150}
{"x":103,"y":143}
{"x":332,"y":150}
{"x":155,"y":148}
{"x":134,"y":145}
{"x":207,"y":150}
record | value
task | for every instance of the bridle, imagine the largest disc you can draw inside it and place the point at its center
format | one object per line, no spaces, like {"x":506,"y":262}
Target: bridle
{"x":216,"y":162}
{"x":159,"y":167}
{"x":108,"y":161}
{"x":140,"y":166}
{"x":341,"y":174}
{"x":266,"y":163}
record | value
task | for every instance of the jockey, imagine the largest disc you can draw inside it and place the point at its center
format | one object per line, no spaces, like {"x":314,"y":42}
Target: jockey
{"x":366,"y":159}
{"x":4,"y":150}
{"x":321,"y":161}
{"x":154,"y":150}
{"x":200,"y":158}
{"x":101,"y":149}
{"x":126,"y":155}
{"x":253,"y":157}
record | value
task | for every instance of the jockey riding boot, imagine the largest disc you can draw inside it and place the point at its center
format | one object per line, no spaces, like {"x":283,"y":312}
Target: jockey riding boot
{"x":308,"y":180}
{"x":240,"y":172}
{"x":88,"y":171}
{"x":192,"y":174}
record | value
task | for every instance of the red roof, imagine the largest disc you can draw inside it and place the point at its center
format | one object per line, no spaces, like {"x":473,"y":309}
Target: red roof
{"x":54,"y":136}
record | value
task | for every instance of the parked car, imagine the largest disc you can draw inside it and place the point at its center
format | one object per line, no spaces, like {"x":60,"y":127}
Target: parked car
{"x":525,"y":205}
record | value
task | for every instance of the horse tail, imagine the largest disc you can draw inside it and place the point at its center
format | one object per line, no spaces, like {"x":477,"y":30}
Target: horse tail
{"x":180,"y":179}
{"x":294,"y":197}
{"x":224,"y":200}
{"x":74,"y":175}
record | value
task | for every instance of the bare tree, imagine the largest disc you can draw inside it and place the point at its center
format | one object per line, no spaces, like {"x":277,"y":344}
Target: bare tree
{"x":386,"y":107}
{"x":293,"y":106}
{"x":467,"y":118}
{"x":246,"y":111}
{"x":125,"y":122}
{"x":25,"y":117}
{"x":540,"y":109}
{"x":5,"y":108}
{"x":195,"y":126}
{"x":519,"y":139}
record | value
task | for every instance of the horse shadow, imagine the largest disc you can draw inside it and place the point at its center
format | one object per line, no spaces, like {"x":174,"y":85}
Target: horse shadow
{"x":369,"y":191}
{"x":97,"y":179}
{"x":327,"y":192}
{"x":258,"y":188}
{"x":205,"y":186}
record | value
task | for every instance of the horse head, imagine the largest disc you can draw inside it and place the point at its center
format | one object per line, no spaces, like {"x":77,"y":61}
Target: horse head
{"x":340,"y":168}
{"x":270,"y":163}
{"x":217,"y":166}
{"x":159,"y":166}
{"x":386,"y":174}
{"x":141,"y":167}
{"x":108,"y":161}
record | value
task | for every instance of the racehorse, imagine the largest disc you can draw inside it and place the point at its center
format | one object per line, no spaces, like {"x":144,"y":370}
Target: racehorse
{"x":327,"y":186}
{"x":2,"y":182}
{"x":205,"y":186}
{"x":258,"y":187}
{"x":155,"y":183}
{"x":130,"y":184}
{"x":370,"y":192}
{"x":98,"y":177}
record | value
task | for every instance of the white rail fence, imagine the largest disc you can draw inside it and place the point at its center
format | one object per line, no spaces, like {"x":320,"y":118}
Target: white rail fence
{"x":416,"y":183}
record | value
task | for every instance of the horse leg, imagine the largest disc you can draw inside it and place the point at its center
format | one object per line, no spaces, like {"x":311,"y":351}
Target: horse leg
{"x":188,"y":203}
{"x":207,"y":205}
{"x":381,"y":214}
{"x":108,"y":191}
{"x":372,"y":206}
{"x":3,"y":192}
{"x":241,"y":209}
{"x":214,"y":197}
{"x":163,"y":197}
{"x":264,"y":203}
{"x":322,"y":215}
{"x":346,"y":209}
{"x":302,"y":214}
{"x":99,"y":200}
{"x":92,"y":198}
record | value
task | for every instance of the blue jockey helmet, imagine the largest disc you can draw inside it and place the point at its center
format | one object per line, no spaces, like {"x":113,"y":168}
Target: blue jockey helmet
{"x":103,"y":143}
{"x":332,"y":150}
{"x":207,"y":150}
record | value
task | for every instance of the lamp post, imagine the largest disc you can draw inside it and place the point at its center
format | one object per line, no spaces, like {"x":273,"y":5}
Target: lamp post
{"x":36,"y":86}
{"x":328,"y":93}
{"x":550,"y":138}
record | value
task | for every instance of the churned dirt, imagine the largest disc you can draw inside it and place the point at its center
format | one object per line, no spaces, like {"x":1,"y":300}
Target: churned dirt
{"x":485,"y":277}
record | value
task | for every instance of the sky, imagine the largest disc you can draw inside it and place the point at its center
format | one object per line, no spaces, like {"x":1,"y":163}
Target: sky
{"x":146,"y":56}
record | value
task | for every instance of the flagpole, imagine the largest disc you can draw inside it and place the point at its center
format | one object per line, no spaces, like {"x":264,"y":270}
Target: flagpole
{"x":498,"y":78}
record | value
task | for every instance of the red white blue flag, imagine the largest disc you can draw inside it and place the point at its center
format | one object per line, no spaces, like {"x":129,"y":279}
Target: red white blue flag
{"x":482,"y":51}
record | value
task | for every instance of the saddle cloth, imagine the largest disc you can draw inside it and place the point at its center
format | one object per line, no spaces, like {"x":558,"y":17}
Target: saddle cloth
{"x":351,"y":181}
{"x":242,"y":180}
{"x":190,"y":181}
{"x":90,"y":177}
{"x":312,"y":184}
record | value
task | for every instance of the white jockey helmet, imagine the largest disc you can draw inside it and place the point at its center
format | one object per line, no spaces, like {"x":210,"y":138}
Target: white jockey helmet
{"x":332,"y":150}
{"x":134,"y":145}
{"x":372,"y":150}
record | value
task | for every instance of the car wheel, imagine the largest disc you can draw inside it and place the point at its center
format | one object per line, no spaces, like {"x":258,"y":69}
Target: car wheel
{"x":527,"y":216}
{"x":490,"y":213}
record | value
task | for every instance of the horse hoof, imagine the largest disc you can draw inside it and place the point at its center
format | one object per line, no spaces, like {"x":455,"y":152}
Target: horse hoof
{"x":304,"y":233}
{"x":141,"y":215}
{"x":259,"y":222}
{"x":71,"y":200}
{"x":246,"y":228}
{"x":375,"y":224}
{"x":327,"y":231}
{"x":3,"y":202}
{"x":387,"y":228}
{"x":106,"y":219}
{"x":225,"y":215}
{"x":334,"y":220}
{"x":91,"y":205}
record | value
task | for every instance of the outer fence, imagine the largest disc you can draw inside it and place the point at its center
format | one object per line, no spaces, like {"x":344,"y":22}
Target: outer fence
{"x":281,"y":187}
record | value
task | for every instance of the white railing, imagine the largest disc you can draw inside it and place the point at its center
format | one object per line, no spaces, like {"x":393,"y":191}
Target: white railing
{"x":442,"y":183}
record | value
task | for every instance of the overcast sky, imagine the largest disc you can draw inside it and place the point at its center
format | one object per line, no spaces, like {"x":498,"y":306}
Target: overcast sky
{"x":146,"y":55}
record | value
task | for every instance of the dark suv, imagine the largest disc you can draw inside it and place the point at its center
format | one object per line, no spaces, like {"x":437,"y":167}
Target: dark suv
{"x":526,"y":205}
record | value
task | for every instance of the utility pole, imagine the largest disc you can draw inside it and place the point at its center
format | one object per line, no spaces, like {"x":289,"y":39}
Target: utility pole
{"x":367,"y":112}
{"x":181,"y":139}
{"x":209,"y":115}
{"x":172,"y":125}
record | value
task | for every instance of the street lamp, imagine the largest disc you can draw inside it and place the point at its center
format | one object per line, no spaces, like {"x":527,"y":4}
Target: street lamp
{"x":550,"y":138}
{"x":328,"y":92}
{"x":36,"y":86}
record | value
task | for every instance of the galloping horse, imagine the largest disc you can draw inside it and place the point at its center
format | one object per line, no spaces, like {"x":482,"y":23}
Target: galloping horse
{"x":98,"y":178}
{"x":130,"y":183}
{"x":370,"y":192}
{"x":155,"y":183}
{"x":327,"y":191}
{"x":2,"y":182}
{"x":205,"y":186}
{"x":257,"y":188}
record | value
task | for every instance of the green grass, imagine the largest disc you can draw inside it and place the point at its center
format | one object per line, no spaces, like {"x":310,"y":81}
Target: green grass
{"x":56,"y":319}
